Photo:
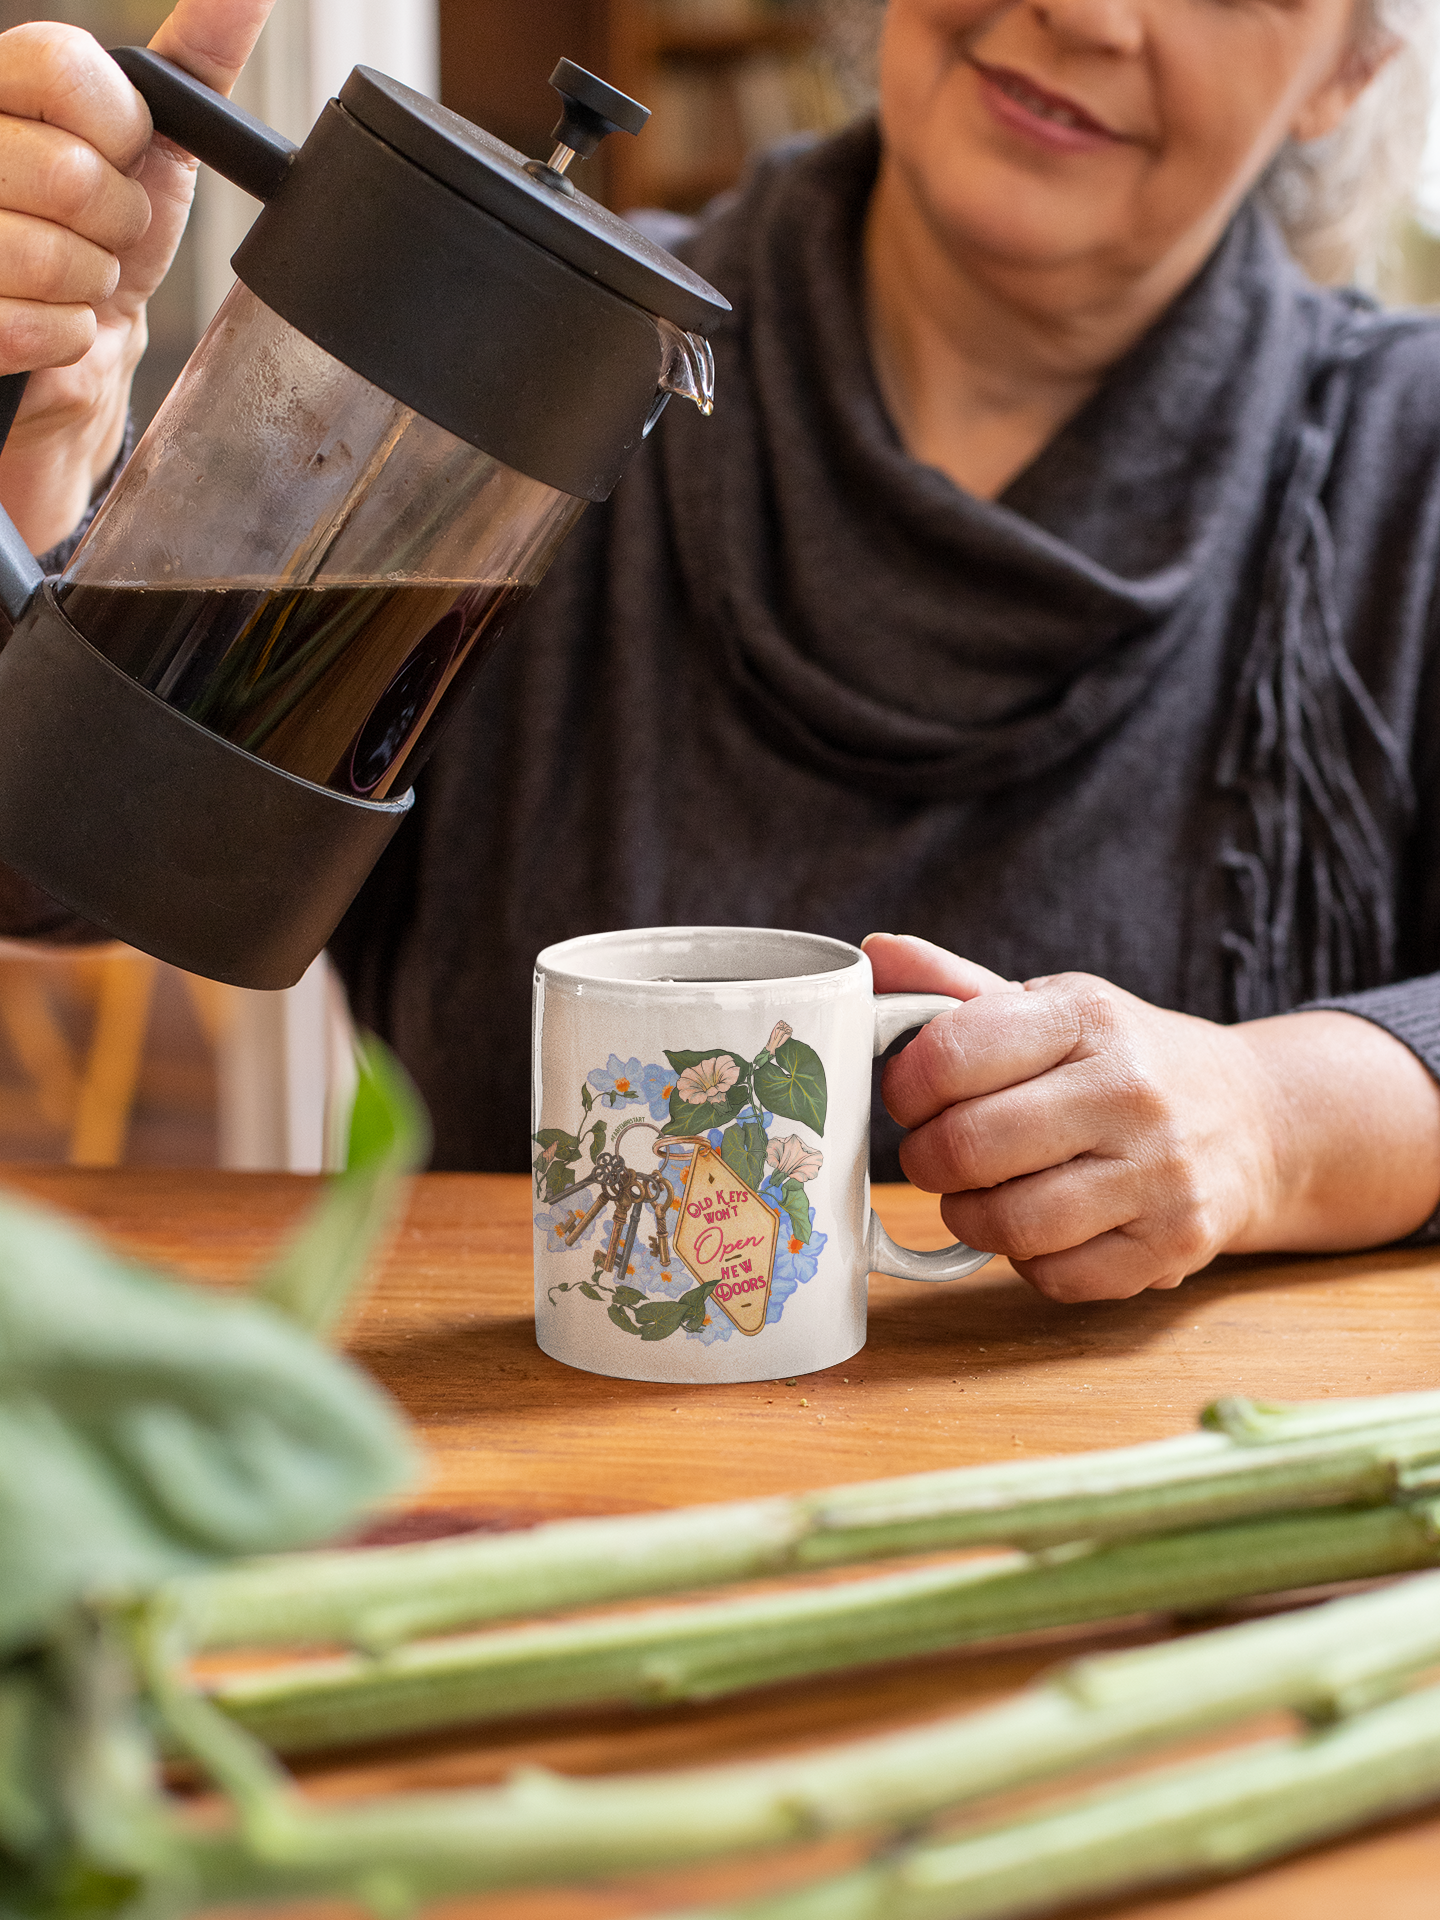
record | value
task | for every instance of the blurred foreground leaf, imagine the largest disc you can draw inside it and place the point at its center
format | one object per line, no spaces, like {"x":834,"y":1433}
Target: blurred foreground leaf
{"x":389,"y":1137}
{"x":148,"y":1428}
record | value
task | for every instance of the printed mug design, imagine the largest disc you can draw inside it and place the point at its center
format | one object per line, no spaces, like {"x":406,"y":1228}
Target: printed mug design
{"x":733,"y":1232}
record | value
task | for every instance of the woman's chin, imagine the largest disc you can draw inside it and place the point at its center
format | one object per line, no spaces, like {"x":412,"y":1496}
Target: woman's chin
{"x":1034,"y":239}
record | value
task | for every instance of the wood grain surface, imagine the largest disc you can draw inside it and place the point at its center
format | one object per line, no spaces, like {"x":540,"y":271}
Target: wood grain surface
{"x":974,"y":1370}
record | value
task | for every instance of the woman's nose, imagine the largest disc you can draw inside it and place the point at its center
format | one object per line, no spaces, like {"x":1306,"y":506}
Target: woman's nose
{"x":1108,"y":26}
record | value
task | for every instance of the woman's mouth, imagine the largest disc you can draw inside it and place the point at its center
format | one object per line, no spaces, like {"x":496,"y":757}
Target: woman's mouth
{"x":1050,"y":119}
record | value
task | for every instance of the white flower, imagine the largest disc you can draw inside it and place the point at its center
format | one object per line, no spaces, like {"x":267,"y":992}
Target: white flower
{"x":793,"y":1160}
{"x":779,"y":1036}
{"x":707,"y":1084}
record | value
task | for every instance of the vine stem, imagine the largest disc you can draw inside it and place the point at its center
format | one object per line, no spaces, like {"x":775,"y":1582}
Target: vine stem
{"x":658,"y":1656}
{"x":1252,"y":1459}
{"x":1346,"y":1658}
{"x":1198,"y":1821}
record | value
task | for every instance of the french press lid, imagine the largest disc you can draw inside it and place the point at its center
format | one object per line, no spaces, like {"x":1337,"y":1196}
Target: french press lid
{"x":536,"y":199}
{"x":475,"y":286}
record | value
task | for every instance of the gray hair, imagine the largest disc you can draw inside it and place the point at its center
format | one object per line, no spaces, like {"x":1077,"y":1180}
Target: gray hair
{"x":1336,"y":199}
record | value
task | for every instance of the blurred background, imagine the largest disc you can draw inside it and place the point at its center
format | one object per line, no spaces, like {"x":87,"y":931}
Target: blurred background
{"x":108,"y":1057}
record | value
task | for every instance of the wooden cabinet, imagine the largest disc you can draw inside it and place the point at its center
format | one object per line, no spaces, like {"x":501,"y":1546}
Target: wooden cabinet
{"x":723,"y":78}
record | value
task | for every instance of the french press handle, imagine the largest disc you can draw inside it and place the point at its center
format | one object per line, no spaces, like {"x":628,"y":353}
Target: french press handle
{"x":240,"y":148}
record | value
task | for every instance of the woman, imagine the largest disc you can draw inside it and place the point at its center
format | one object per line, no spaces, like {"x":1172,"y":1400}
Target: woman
{"x":1055,"y":580}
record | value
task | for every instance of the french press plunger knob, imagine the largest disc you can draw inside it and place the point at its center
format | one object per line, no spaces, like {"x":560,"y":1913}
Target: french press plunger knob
{"x":592,"y":110}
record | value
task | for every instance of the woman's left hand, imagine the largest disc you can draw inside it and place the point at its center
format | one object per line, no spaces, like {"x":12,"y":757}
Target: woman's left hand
{"x":1105,"y":1145}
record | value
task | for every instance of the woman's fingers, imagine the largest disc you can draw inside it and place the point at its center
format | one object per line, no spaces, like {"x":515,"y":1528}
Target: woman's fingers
{"x":1113,"y":1266}
{"x":35,"y":333}
{"x":996,"y":1041}
{"x":1040,"y":1123}
{"x":904,"y":963}
{"x":42,"y":261}
{"x":212,"y":39}
{"x":58,"y":176}
{"x":62,"y":77}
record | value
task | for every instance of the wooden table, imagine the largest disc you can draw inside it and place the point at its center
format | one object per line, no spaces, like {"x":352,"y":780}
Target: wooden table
{"x":976,"y":1370}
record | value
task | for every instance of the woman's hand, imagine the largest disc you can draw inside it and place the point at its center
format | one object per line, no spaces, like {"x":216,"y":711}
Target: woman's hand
{"x":91,"y":212}
{"x":1105,"y":1146}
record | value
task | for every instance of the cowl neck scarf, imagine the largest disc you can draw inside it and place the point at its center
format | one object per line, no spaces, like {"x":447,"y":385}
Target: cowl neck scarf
{"x":902,"y":635}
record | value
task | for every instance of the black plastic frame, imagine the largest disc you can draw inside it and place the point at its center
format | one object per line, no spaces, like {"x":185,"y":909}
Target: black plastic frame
{"x":442,"y":305}
{"x":158,"y":831}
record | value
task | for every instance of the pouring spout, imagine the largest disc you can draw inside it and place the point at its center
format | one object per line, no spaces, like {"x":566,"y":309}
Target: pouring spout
{"x":687,"y":365}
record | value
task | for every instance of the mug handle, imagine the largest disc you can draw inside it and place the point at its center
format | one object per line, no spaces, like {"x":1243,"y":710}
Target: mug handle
{"x":897,"y":1013}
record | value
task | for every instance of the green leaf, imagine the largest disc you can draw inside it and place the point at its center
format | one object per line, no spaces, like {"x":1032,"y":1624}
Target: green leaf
{"x":590,"y":1292}
{"x":695,"y":1303}
{"x":597,"y":1140}
{"x":687,"y":1119}
{"x":566,"y":1145}
{"x":793,"y":1085}
{"x":557,"y":1178}
{"x":658,"y":1319}
{"x":622,"y":1320}
{"x":587,"y":1099}
{"x":627,"y":1296}
{"x":316,"y":1273}
{"x":148,"y":1428}
{"x":794,"y":1202}
{"x":743,"y":1150}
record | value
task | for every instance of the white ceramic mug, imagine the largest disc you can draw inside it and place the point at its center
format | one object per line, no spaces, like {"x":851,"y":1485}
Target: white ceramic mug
{"x":701,"y":1102}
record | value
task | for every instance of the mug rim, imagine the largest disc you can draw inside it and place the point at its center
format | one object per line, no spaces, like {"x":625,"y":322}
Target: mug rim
{"x":556,"y":962}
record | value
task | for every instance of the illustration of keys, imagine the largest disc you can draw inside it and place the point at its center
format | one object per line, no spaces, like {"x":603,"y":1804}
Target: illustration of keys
{"x":610,"y":1171}
{"x":629,"y":1207}
{"x":661,"y":1196}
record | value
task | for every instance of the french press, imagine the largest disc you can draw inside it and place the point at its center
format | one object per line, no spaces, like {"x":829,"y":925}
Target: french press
{"x":435,"y":355}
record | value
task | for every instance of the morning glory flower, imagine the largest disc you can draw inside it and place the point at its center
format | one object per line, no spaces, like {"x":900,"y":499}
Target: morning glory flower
{"x":706,"y":1084}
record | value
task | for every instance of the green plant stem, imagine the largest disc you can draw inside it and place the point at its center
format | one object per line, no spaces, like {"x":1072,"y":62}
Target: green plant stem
{"x":1261,"y":1460}
{"x":1216,"y":1817}
{"x":685,"y":1653}
{"x":1328,"y":1661}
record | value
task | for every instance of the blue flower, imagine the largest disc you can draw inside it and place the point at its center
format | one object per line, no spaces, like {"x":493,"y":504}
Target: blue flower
{"x":796,"y":1261}
{"x":617,"y":1082}
{"x":555,"y":1222}
{"x":656,"y":1085}
{"x":718,"y":1326}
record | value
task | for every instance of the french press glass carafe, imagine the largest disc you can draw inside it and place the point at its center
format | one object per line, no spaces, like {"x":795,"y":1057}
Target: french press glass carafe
{"x":435,"y":354}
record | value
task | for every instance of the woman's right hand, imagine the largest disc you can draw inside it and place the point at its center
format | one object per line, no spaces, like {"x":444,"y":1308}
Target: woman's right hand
{"x":91,"y":212}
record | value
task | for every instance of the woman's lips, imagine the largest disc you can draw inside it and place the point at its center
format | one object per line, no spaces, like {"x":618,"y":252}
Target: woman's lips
{"x":1047,"y":118}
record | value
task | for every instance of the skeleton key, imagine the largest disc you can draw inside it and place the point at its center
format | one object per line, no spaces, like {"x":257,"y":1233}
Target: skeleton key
{"x":603,"y":1163}
{"x":604,"y":1170}
{"x":629,"y":1206}
{"x":661,"y":1195}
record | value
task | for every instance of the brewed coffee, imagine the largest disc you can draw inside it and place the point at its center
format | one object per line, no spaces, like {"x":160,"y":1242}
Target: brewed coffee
{"x":332,"y":683}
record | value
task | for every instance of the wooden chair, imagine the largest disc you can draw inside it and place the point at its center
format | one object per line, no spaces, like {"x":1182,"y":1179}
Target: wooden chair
{"x":87,"y":1089}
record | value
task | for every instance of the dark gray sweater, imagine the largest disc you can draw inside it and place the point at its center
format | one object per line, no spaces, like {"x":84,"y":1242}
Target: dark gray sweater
{"x":1164,"y":712}
{"x":1159,"y":713}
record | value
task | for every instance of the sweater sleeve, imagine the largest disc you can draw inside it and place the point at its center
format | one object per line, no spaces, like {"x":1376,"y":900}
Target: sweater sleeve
{"x":1410,"y":1010}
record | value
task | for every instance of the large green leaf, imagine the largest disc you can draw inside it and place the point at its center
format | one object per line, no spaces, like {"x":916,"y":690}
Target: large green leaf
{"x":792,"y":1083}
{"x":742,"y":1149}
{"x":147,"y":1428}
